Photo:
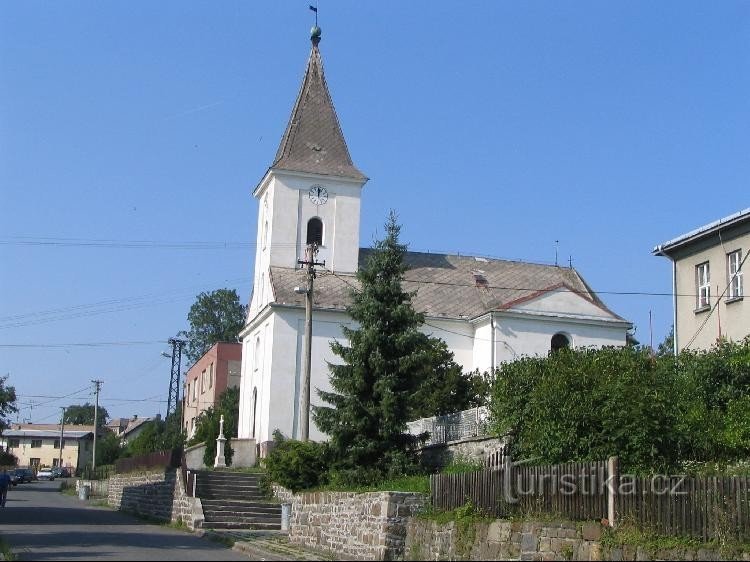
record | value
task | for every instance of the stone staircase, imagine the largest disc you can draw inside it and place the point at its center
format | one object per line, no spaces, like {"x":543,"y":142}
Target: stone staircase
{"x":234,"y":500}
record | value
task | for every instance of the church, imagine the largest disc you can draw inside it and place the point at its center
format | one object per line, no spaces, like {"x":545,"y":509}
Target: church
{"x":488,"y":311}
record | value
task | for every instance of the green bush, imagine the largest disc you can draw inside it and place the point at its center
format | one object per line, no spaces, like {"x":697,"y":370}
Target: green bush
{"x":586,"y":405}
{"x":462,"y":465}
{"x":654,"y":412}
{"x":297,"y":465}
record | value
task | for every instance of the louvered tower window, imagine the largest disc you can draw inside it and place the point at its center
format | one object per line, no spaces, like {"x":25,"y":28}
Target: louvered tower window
{"x":315,"y":231}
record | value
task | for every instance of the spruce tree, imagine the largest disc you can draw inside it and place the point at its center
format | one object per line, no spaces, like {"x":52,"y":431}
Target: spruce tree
{"x":380,"y":371}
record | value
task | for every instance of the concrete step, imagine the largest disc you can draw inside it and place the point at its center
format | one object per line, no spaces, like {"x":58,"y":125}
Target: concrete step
{"x":229,"y":497}
{"x":247,"y":520}
{"x":221,"y":515}
{"x":226,"y":525}
{"x":228,"y":475}
{"x":218,"y":505}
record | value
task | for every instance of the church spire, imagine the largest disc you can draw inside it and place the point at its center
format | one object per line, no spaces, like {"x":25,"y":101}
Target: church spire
{"x":313,"y":141}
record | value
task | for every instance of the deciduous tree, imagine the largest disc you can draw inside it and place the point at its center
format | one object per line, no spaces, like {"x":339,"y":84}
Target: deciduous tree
{"x":215,"y":317}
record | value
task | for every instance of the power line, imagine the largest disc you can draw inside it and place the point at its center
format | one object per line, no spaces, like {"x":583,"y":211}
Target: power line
{"x":131,"y":244}
{"x":79,"y":311}
{"x":87,"y":344}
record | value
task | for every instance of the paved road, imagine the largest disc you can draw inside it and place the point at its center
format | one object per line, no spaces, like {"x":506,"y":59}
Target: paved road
{"x":39,"y":523}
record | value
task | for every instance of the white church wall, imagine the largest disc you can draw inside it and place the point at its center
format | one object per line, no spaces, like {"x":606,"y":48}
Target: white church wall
{"x":518,"y":336}
{"x":459,"y":335}
{"x":257,"y":364}
{"x":482,"y":352}
{"x":340,"y":216}
{"x":564,"y":301}
{"x":282,"y":406}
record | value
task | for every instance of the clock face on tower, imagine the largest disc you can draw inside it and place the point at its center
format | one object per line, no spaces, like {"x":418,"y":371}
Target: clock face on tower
{"x":318,"y":195}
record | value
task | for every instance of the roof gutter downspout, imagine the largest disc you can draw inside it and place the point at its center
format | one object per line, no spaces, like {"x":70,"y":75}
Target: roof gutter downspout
{"x":660,"y":252}
{"x":674,"y":306}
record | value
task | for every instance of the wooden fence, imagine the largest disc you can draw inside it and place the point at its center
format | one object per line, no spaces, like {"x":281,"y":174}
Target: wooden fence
{"x":161,"y":459}
{"x":706,"y":508}
{"x":576,"y":490}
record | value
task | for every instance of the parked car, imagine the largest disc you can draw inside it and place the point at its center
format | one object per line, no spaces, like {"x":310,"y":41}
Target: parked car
{"x":13,"y":477}
{"x":24,"y":475}
{"x":60,"y":472}
{"x":45,"y":474}
{"x":65,"y":472}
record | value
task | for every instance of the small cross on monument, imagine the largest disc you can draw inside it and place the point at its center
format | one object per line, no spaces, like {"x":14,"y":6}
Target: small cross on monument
{"x":220,"y":442}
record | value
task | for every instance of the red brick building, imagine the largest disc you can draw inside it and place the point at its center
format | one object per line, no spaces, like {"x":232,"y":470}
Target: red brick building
{"x":208,"y":378}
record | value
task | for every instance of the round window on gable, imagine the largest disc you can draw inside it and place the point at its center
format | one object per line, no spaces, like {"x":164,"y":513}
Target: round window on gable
{"x":559,"y":341}
{"x":315,"y":231}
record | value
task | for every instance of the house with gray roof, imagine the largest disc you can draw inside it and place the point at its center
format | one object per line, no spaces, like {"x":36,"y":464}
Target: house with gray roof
{"x":38,"y":445}
{"x":487,"y":310}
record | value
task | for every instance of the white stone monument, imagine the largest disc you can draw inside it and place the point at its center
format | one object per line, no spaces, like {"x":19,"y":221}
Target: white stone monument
{"x":220,"y":441}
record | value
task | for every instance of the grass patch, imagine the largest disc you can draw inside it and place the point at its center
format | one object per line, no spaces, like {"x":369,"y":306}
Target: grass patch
{"x":6,"y":551}
{"x":221,"y":539}
{"x":633,"y":536}
{"x":418,"y":483}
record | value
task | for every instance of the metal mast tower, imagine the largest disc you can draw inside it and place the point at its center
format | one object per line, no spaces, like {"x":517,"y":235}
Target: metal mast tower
{"x":174,"y":379}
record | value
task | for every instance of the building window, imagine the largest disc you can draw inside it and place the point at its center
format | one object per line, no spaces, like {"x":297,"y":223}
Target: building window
{"x":36,"y":443}
{"x":255,"y":406}
{"x":734,"y":262}
{"x":559,"y":341}
{"x":13,"y":443}
{"x":34,"y":462}
{"x":315,"y":231}
{"x":203,"y":382}
{"x":188,"y":394}
{"x":57,"y":444}
{"x":195,"y":389}
{"x":264,"y":235}
{"x":703,"y":285}
{"x":256,"y":359}
{"x":211,"y":375}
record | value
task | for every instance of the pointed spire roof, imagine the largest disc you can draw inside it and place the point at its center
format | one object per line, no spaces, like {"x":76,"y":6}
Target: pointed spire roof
{"x":313,"y":141}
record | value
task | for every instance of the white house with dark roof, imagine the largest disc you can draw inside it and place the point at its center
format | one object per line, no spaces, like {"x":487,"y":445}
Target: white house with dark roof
{"x":487,"y":310}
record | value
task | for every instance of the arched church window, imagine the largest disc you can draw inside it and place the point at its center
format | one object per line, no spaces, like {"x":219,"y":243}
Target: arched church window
{"x":315,"y":231}
{"x":559,"y":341}
{"x":255,"y":406}
{"x":256,"y":359}
{"x":264,"y":236}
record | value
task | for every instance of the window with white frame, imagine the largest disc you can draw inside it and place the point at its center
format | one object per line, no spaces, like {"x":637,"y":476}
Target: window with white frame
{"x":211,"y":375}
{"x":36,"y":443}
{"x":703,"y":285}
{"x":203,"y":381}
{"x":734,"y":262}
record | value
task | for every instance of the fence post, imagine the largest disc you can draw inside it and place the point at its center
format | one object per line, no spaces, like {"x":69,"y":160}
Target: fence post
{"x":613,"y":484}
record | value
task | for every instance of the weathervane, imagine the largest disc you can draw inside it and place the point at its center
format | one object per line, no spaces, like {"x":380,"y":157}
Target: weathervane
{"x":315,"y":9}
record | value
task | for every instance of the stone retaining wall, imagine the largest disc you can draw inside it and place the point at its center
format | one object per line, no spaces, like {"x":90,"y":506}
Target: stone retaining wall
{"x":367,"y":526}
{"x":97,"y":488}
{"x":506,"y":540}
{"x":475,"y":449}
{"x":158,"y":494}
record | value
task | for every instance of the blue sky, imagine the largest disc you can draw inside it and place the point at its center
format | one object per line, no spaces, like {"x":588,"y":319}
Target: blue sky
{"x":493,"y":128}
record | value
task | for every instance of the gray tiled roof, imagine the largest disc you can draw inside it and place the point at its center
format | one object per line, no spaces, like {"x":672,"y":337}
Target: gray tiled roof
{"x":447,"y":286}
{"x":313,"y":141}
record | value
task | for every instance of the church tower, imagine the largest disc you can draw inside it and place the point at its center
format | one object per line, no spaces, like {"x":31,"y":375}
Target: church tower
{"x":312,"y":190}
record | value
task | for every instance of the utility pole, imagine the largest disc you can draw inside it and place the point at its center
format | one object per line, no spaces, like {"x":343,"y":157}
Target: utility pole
{"x":98,"y":384}
{"x":174,"y":379}
{"x":304,"y":410}
{"x":62,"y":435}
